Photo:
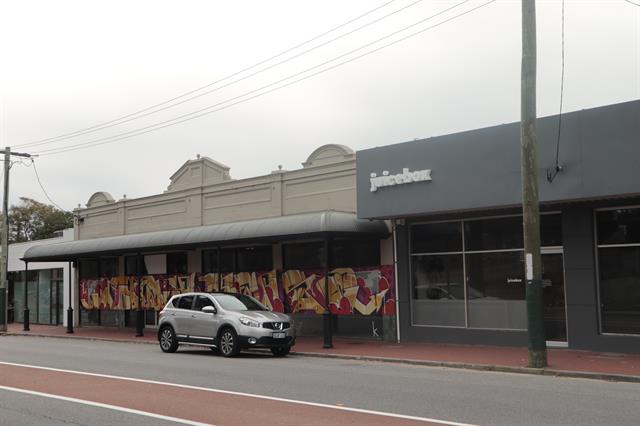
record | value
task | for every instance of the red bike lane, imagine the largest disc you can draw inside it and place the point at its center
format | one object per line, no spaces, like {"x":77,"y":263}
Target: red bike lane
{"x":208,"y":406}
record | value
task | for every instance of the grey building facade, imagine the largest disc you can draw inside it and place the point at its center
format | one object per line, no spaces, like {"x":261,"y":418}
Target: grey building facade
{"x":454,"y":202}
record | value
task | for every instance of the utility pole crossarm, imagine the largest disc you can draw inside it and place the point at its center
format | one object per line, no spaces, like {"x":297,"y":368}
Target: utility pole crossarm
{"x":17,"y":154}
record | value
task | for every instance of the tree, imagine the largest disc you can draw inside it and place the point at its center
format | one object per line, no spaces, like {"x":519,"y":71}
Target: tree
{"x":32,"y":220}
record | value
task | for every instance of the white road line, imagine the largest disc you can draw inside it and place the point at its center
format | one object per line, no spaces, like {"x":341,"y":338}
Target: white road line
{"x":108,"y":406}
{"x":249,"y":395}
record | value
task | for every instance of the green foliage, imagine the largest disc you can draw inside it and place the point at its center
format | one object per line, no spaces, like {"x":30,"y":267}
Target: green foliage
{"x":32,"y":220}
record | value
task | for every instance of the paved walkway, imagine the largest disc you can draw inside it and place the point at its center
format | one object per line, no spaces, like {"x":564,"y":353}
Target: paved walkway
{"x":562,"y":362}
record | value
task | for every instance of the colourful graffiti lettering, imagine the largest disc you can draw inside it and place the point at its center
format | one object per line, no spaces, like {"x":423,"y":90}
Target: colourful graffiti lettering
{"x":365,"y":291}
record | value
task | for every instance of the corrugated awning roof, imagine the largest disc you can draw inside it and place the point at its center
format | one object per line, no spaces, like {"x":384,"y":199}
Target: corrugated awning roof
{"x":275,"y":228}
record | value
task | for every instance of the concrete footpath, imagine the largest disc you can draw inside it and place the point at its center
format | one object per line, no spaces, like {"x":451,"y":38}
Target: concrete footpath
{"x":562,"y":362}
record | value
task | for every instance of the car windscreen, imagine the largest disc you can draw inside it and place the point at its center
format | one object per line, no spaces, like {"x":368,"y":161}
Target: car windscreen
{"x":239,"y":302}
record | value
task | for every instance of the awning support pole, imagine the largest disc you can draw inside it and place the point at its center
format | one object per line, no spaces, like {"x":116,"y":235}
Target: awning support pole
{"x":70,"y":309}
{"x":26,"y":298}
{"x":139,"y":312}
{"x":219,"y":269}
{"x":326,"y":315}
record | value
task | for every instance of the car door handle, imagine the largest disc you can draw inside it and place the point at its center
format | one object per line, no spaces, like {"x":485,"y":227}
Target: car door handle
{"x":193,"y":316}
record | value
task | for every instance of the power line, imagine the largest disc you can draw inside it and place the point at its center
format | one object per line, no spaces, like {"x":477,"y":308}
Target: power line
{"x":210,"y":109}
{"x":152,"y":109}
{"x":633,"y":3}
{"x":551,"y":174}
{"x":42,"y":187}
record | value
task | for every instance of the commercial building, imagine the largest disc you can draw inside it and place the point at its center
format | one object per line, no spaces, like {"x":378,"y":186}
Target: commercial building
{"x":454,"y":202}
{"x":46,"y":284}
{"x":275,"y":237}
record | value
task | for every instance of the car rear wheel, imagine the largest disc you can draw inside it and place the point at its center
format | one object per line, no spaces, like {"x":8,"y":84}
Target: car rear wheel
{"x":280,"y":352}
{"x":229,"y":345}
{"x":168,"y":340}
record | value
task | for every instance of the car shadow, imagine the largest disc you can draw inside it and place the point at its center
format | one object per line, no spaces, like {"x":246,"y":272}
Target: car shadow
{"x":208,"y":352}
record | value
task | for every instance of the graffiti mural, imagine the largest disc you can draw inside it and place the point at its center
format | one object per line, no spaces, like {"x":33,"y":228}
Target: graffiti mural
{"x":351,"y":291}
{"x":364,"y":291}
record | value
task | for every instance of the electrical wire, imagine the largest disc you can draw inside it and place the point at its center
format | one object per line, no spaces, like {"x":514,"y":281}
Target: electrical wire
{"x":210,"y":109}
{"x":33,"y":162}
{"x":152,"y":109}
{"x":633,"y":3}
{"x":551,"y":174}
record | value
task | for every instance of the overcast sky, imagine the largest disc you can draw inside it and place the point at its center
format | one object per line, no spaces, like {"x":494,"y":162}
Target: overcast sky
{"x":69,"y":65}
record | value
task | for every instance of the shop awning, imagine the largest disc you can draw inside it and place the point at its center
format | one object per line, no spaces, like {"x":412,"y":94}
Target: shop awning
{"x":279,"y":228}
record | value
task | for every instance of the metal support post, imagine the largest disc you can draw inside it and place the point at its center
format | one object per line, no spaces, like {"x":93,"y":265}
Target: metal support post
{"x":70,"y":308}
{"x":139,"y":312}
{"x":326,"y":315}
{"x":26,"y":298}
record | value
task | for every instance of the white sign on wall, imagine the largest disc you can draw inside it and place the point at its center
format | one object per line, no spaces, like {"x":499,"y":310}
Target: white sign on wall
{"x":406,"y":176}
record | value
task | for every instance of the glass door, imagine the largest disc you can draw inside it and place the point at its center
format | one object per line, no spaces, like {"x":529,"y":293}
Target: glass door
{"x":555,"y":317}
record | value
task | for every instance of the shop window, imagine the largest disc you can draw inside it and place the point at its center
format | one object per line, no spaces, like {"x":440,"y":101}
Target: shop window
{"x":210,"y":260}
{"x":438,"y":290}
{"x":131,"y":265}
{"x":621,"y":226}
{"x":88,"y":269}
{"x":496,"y":290}
{"x":436,"y":237}
{"x":482,"y":272}
{"x":108,"y":267}
{"x":303,"y":255}
{"x":177,"y":263}
{"x":619,"y":270}
{"x":493,"y":234}
{"x":506,"y":233}
{"x":258,"y":258}
{"x":354,"y":253}
{"x":551,"y":230}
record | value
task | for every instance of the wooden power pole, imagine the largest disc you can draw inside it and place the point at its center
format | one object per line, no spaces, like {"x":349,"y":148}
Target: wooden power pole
{"x":4,"y":238}
{"x":530,"y":203}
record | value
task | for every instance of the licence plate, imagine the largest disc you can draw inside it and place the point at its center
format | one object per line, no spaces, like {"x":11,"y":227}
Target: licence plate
{"x":279,"y":335}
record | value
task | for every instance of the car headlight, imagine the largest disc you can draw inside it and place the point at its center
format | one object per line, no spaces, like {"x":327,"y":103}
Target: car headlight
{"x":249,"y":322}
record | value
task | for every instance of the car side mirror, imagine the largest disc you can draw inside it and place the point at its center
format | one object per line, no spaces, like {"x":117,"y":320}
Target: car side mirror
{"x":209,"y":310}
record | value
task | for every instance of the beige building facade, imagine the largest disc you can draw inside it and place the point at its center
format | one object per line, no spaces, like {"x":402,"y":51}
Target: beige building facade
{"x":274,"y":237}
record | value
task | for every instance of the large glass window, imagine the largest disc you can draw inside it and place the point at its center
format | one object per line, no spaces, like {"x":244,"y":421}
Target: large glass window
{"x":88,"y":269}
{"x":438,"y":290}
{"x":108,"y":267}
{"x":131,"y":265}
{"x":619,"y":268}
{"x":258,"y":258}
{"x":469,"y":273}
{"x":496,"y":290}
{"x":43,"y":293}
{"x":354,"y":253}
{"x":303,"y":255}
{"x":177,"y":263}
{"x":243,"y":259}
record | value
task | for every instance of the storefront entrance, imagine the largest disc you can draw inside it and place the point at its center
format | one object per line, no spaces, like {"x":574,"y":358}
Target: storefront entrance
{"x":555,"y":316}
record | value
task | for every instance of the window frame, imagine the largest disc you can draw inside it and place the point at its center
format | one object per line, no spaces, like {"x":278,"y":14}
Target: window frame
{"x":463,"y":253}
{"x":596,"y":248}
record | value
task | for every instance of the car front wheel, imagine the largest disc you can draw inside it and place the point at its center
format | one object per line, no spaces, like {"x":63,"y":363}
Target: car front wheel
{"x":168,"y":341}
{"x":229,"y":345}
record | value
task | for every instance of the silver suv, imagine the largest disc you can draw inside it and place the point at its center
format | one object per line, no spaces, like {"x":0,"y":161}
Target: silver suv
{"x":223,"y":321}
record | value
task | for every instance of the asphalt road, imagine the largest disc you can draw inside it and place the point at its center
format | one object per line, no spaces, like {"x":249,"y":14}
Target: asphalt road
{"x":482,"y":398}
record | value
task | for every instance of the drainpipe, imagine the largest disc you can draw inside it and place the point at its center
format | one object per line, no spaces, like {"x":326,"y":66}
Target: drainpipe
{"x":395,"y":270}
{"x":26,"y":298}
{"x":70,"y":309}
